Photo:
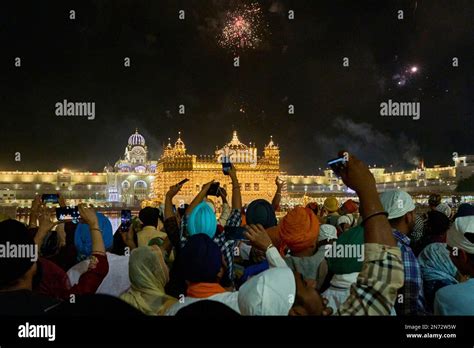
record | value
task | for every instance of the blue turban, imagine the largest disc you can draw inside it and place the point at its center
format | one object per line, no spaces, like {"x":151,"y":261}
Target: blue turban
{"x":82,"y":237}
{"x":202,"y":220}
{"x":261,"y":212}
{"x":201,"y":259}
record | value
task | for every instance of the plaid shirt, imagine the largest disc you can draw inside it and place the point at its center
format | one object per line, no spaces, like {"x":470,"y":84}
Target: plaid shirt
{"x":227,"y":246}
{"x":412,"y":302}
{"x":419,"y":228}
{"x":375,"y":291}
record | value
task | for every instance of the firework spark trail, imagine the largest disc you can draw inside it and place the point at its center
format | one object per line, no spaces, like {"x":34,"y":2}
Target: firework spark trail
{"x":243,"y":28}
{"x":405,"y":76}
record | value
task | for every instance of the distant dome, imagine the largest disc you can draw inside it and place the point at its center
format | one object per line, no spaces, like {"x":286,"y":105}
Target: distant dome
{"x":136,"y":139}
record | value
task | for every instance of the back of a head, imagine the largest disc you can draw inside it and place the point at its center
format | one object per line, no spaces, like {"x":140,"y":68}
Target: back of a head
{"x":83,"y":240}
{"x":299,"y":229}
{"x":147,"y":268}
{"x":351,"y":239}
{"x":207,"y":309}
{"x":331,"y":204}
{"x":461,"y":234}
{"x":345,"y":219}
{"x":445,"y":209}
{"x":261,"y":212}
{"x":350,"y":206}
{"x":201,"y":259}
{"x":314,"y":207}
{"x":14,"y":234}
{"x":437,"y":223}
{"x":434,"y":200}
{"x":397,"y":203}
{"x":327,"y":232}
{"x":268,"y":293}
{"x":149,"y":216}
{"x":202,"y":220}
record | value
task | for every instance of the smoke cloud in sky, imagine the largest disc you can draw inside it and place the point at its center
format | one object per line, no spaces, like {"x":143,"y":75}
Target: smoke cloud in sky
{"x":368,"y":143}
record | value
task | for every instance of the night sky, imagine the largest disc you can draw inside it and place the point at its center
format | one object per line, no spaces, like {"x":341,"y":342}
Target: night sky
{"x":175,"y":62}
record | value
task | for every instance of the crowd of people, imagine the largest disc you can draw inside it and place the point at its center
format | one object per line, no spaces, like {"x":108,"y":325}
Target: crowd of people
{"x":374,"y":255}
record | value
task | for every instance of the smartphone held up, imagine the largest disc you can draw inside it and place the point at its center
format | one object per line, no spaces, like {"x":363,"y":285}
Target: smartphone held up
{"x":68,"y":214}
{"x":338,"y":164}
{"x":226,"y":166}
{"x":125,"y":220}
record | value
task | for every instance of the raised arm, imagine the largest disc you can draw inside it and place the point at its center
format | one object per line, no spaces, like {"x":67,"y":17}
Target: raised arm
{"x":89,"y":216}
{"x":260,"y":240}
{"x":375,"y":291}
{"x":277,"y":198}
{"x":225,"y":213}
{"x":45,"y":225}
{"x":173,"y":191}
{"x":236,"y":195}
{"x":357,"y":176}
{"x":199,"y":198}
{"x":34,"y":212}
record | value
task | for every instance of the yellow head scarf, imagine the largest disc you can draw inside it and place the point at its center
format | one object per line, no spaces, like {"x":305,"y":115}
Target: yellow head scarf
{"x":148,"y":276}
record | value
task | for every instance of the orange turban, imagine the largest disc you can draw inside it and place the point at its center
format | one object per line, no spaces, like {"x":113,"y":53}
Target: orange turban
{"x":299,"y":229}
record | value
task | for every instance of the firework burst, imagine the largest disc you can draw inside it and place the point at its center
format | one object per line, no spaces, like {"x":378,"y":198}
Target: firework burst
{"x":243,"y":28}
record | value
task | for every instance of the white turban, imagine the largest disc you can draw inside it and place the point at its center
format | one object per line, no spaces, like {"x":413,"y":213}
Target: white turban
{"x":396,"y":203}
{"x":345,"y":219}
{"x":271,"y":292}
{"x":456,"y":234}
{"x":444,"y":208}
{"x":327,"y":232}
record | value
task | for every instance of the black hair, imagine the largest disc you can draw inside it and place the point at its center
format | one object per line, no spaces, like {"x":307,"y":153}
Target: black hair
{"x":437,"y":223}
{"x":14,"y":233}
{"x":149,"y":216}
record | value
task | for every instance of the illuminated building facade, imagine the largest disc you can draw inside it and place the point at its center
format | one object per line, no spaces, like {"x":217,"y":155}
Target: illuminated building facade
{"x":418,"y":182}
{"x":135,"y":179}
{"x":256,"y":173}
{"x":130,"y":180}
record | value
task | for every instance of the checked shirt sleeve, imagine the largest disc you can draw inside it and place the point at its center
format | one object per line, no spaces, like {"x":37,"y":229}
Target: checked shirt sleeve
{"x":235,"y":218}
{"x":376,"y":289}
{"x":183,"y":233}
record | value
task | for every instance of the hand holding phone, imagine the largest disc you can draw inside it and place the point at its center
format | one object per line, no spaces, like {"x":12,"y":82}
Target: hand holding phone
{"x":226,"y":166}
{"x":182,"y":182}
{"x":68,"y":214}
{"x":173,"y":191}
{"x":337,"y":165}
{"x":125,"y":220}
